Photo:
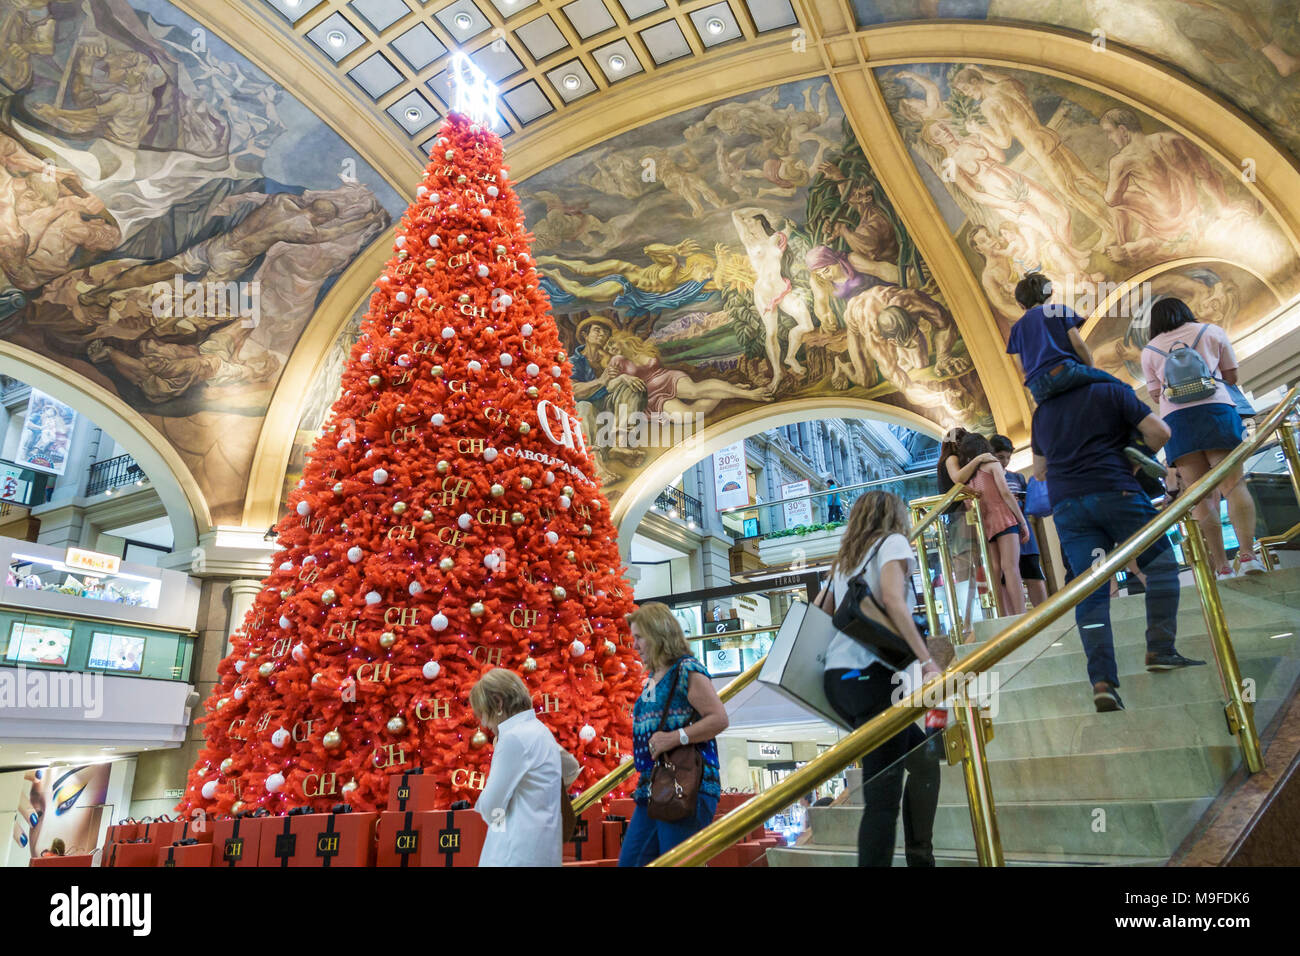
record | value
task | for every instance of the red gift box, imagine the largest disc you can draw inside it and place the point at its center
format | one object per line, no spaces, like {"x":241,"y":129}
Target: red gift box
{"x":193,"y":854}
{"x":331,"y":839}
{"x":238,"y":842}
{"x":120,"y":833}
{"x":622,"y":807}
{"x":132,"y":854}
{"x":412,"y":791}
{"x":588,"y":838}
{"x":612,"y":832}
{"x":279,"y":843}
{"x":741,"y":854}
{"x":79,"y":859}
{"x":431,"y":838}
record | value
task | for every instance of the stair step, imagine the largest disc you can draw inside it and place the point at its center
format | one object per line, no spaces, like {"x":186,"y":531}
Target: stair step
{"x":809,"y":855}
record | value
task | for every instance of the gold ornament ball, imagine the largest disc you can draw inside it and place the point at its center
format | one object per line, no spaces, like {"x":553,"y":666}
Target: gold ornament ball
{"x":223,"y":702}
{"x":560,"y":356}
{"x":610,"y":649}
{"x":586,"y":529}
{"x":402,"y":255}
{"x":202,"y":772}
{"x":286,"y":594}
{"x":572,"y":556}
{"x":530,"y":665}
{"x":332,"y":740}
{"x":477,"y":609}
{"x":338,"y":487}
{"x":517,"y":518}
{"x":227,"y":765}
{"x":387,"y":639}
{"x":436,"y":371}
{"x":446,"y":564}
{"x":329,"y":596}
{"x":479,"y":740}
{"x":253,"y":655}
{"x":427,"y":516}
{"x":237,"y":806}
{"x":266,"y":669}
{"x":462,"y":178}
{"x":533,"y":391}
{"x":498,"y":491}
{"x":349,"y":787}
{"x":444,"y":467}
{"x":431,"y":264}
{"x":396,"y":725}
{"x":568,"y":491}
{"x":399,"y":507}
{"x":464,"y":297}
{"x":374,"y":380}
{"x":559,"y":592}
{"x":524,"y":428}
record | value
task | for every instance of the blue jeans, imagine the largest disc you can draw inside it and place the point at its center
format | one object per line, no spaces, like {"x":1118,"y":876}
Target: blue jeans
{"x":647,"y":839}
{"x":1090,"y":526}
{"x":1074,"y":375}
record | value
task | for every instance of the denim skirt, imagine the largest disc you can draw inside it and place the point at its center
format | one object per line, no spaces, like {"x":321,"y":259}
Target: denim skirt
{"x":1203,"y":428}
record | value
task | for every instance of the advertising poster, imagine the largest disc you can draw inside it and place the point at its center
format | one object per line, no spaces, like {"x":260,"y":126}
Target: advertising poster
{"x":39,"y":644}
{"x":730,"y":482}
{"x":797,"y":512}
{"x":46,"y":435}
{"x":63,"y":803}
{"x":12,"y":486}
{"x":689,"y":618}
{"x":116,"y":652}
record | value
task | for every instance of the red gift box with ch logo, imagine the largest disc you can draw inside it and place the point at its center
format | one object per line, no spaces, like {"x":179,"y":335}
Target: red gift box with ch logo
{"x":238,"y":841}
{"x":431,"y":838}
{"x":412,"y":791}
{"x":319,"y":840}
{"x":192,"y":854}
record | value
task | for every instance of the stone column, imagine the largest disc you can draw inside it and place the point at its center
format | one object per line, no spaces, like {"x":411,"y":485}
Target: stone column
{"x":242,"y":593}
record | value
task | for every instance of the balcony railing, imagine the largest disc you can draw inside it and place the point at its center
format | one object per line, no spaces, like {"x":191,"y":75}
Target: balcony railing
{"x":676,"y":503}
{"x":105,"y":476}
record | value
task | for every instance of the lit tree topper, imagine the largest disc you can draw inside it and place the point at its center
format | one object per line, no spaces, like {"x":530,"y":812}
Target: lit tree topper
{"x":472,"y":94}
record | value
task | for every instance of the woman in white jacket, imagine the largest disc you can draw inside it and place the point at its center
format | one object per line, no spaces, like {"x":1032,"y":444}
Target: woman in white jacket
{"x":529,"y":776}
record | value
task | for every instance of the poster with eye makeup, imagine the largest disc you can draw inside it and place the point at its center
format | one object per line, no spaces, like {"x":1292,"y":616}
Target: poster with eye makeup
{"x":61,"y":803}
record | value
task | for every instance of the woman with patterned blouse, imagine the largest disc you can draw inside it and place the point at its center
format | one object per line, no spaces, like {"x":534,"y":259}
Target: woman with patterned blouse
{"x":695,"y":715}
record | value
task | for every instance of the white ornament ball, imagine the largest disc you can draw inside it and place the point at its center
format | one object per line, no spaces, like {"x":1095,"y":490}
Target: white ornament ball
{"x":490,"y":561}
{"x":373,"y":597}
{"x":414,"y":588}
{"x":303,"y":508}
{"x":421,"y":292}
{"x":475,"y":365}
{"x":506,"y":360}
{"x":564,"y":501}
{"x":343,"y":443}
{"x":482,"y":271}
{"x":209,"y":790}
{"x":401,"y":241}
{"x":274,"y":782}
{"x":448,"y":332}
{"x":437,"y":419}
{"x":365,"y":358}
{"x":430,"y":670}
{"x":380,"y":476}
{"x":439,"y":623}
{"x":532,"y":368}
{"x":489,"y":454}
{"x":587,"y":734}
{"x":550,"y":477}
{"x":434,"y":197}
{"x":404,"y":360}
{"x":238,"y":694}
{"x":577,"y":648}
{"x":556,"y":371}
{"x":421,"y":190}
{"x":552,"y":537}
{"x":402,"y":297}
{"x":450,"y":154}
{"x":526,"y":331}
{"x":286,"y":566}
{"x":284,"y":621}
{"x":299,"y":652}
{"x":355,"y":554}
{"x":493,"y":192}
{"x":434,"y":241}
{"x":239,"y":667}
{"x":465,"y":521}
{"x":280,"y":738}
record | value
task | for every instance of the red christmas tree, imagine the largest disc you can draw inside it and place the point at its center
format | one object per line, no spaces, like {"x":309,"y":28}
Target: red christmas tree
{"x":448,"y":521}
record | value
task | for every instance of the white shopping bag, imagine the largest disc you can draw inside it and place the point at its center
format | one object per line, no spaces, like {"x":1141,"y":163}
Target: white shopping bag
{"x":797,"y":661}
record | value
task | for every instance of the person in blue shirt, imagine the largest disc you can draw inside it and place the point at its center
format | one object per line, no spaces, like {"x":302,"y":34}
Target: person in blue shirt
{"x":1097,"y":503}
{"x":834,"y":510}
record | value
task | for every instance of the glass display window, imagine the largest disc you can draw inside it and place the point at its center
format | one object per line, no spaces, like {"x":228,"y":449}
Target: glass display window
{"x":52,"y":575}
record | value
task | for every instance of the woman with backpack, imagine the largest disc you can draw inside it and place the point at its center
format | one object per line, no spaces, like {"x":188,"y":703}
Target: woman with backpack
{"x":1189,"y":365}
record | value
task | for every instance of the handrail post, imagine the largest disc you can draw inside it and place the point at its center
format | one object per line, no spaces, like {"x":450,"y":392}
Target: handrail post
{"x":995,"y":587}
{"x":949,"y":582}
{"x":1240,"y":712}
{"x":1291,"y":453}
{"x":927,"y":584}
{"x":979,"y":785}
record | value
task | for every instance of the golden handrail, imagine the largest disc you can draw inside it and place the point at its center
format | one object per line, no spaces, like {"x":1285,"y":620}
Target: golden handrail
{"x":616,"y":776}
{"x":717,"y":836}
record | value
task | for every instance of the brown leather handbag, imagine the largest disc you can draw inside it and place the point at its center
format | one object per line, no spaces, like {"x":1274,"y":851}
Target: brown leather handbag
{"x":677,"y":775}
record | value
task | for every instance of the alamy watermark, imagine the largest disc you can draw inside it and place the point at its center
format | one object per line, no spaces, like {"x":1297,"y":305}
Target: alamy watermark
{"x":42,"y":689}
{"x":980,"y":688}
{"x":212,"y":300}
{"x":1113,"y":299}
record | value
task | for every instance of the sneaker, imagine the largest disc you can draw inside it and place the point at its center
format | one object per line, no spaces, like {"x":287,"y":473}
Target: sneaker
{"x":1168,"y":661}
{"x":1146,"y":464}
{"x":1226,"y":573}
{"x":1252,"y":565}
{"x":1105,"y":698}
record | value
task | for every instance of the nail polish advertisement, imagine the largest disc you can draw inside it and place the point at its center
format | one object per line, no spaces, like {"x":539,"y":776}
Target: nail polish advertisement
{"x":60,"y":809}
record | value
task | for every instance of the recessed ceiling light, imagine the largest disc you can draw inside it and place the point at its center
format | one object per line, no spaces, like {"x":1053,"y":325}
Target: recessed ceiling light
{"x":413,"y":114}
{"x":464,"y":21}
{"x":292,"y":3}
{"x":336,"y":38}
{"x":571,"y":81}
{"x":616,"y":63}
{"x":714,"y":25}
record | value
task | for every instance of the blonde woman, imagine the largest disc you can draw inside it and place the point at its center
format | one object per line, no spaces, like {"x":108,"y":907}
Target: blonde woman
{"x":679,"y":686}
{"x":527,"y":779}
{"x":860,"y":686}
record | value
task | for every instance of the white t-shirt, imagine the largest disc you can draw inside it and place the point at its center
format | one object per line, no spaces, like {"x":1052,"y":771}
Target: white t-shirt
{"x":844,"y":652}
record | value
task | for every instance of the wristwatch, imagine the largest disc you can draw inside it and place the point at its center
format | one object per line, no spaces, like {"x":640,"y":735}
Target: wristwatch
{"x":681,"y":735}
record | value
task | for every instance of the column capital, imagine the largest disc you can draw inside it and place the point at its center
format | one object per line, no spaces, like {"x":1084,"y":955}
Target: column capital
{"x":241,"y":553}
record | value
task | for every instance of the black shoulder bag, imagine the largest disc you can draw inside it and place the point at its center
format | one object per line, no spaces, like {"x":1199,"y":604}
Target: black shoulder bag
{"x":863,"y":618}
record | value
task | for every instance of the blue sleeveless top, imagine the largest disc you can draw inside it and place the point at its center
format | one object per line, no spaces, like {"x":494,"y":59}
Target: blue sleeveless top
{"x":645,"y":721}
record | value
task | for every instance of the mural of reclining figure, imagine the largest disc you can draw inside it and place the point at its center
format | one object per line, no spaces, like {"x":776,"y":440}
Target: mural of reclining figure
{"x":677,"y":276}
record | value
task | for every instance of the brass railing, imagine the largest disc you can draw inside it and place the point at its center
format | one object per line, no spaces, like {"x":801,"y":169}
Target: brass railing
{"x":620,"y":773}
{"x":722,"y":833}
{"x":1290,"y":451}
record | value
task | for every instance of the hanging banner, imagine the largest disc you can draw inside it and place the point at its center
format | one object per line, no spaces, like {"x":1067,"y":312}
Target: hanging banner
{"x":797,"y":512}
{"x":730,"y":479}
{"x":47,"y":434}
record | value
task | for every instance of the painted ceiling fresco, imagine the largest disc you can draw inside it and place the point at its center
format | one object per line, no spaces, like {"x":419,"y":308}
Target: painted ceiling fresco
{"x":170,"y":219}
{"x":734,"y":256}
{"x":1033,"y":172}
{"x":1246,"y":50}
